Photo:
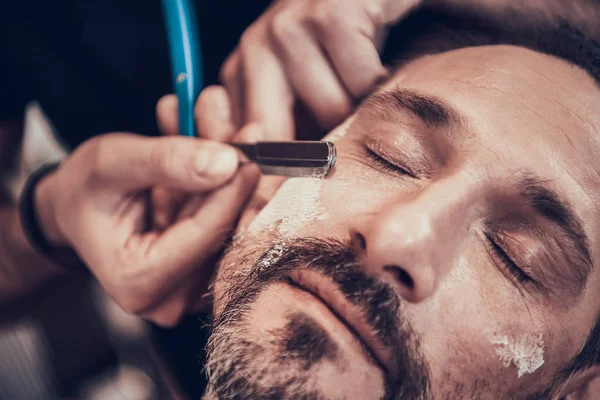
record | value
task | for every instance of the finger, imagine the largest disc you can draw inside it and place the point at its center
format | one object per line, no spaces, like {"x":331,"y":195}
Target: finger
{"x":164,"y":201}
{"x":394,"y":10}
{"x":192,"y":289}
{"x":165,"y":204}
{"x":354,"y":56}
{"x":190,"y":207}
{"x":167,"y":115}
{"x":231,"y":78}
{"x":168,"y":312}
{"x":131,"y":162}
{"x":191,"y":241}
{"x":192,"y":295}
{"x":213,"y":114}
{"x":250,"y":133}
{"x":268,"y":97}
{"x":311,"y":75}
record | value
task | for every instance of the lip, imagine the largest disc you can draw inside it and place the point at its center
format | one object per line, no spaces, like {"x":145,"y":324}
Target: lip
{"x":325,"y":291}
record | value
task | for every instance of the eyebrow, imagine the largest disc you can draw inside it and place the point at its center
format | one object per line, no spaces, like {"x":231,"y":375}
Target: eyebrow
{"x":435,"y":113}
{"x":431,"y":111}
{"x":548,"y":204}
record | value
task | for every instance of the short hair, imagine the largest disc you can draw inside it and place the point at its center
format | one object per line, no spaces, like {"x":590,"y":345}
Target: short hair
{"x":429,"y":31}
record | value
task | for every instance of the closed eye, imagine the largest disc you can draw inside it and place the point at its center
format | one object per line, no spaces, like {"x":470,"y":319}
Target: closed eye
{"x":384,"y":164}
{"x":500,"y":254}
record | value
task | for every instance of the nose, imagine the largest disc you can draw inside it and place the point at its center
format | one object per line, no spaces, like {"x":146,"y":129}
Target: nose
{"x":414,"y":242}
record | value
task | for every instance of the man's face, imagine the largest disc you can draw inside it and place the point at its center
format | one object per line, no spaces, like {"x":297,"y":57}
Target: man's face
{"x":447,"y":256}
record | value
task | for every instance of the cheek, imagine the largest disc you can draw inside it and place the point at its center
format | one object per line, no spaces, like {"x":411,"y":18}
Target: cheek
{"x":304,"y":206}
{"x":455,"y":326}
{"x":356,"y":190}
{"x":293,"y":210}
{"x":270,"y":206}
{"x":473,"y":336}
{"x":296,"y":204}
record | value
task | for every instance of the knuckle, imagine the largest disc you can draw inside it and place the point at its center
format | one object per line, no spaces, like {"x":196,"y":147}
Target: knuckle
{"x":250,"y":38}
{"x":328,"y":15}
{"x":163,"y":157}
{"x":335,"y":108}
{"x":283,"y":28}
{"x":229,"y":69}
{"x":157,"y":157}
{"x":95,"y":153}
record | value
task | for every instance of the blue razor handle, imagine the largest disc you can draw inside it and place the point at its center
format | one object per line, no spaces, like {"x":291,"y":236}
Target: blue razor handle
{"x":186,"y":59}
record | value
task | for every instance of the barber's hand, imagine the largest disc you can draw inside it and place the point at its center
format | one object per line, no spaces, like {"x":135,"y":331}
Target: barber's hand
{"x":322,"y":52}
{"x":213,"y":117}
{"x":98,"y":202}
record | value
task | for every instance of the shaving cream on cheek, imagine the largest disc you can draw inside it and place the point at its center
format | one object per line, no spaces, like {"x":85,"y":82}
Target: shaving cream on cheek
{"x":297,"y":201}
{"x":294,"y":206}
{"x":526,"y":352}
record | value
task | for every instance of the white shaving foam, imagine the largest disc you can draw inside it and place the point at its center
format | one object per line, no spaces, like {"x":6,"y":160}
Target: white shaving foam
{"x":295,"y":204}
{"x":273,"y":255}
{"x":297,"y":200}
{"x":525,"y":352}
{"x":340,"y":131}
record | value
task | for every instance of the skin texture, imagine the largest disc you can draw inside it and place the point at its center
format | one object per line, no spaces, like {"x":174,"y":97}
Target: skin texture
{"x":520,"y":114}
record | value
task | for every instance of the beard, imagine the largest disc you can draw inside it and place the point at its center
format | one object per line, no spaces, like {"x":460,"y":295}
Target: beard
{"x":279,"y":365}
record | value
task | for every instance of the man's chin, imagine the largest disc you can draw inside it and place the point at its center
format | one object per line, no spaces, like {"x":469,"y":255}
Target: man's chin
{"x":288,"y":344}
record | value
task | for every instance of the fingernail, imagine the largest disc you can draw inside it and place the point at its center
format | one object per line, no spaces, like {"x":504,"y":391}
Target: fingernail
{"x":215,"y":162}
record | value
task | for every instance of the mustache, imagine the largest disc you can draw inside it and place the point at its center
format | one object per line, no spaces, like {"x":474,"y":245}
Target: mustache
{"x":336,"y":260}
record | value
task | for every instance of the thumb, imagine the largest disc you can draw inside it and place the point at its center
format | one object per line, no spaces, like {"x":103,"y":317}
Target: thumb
{"x":132,"y":162}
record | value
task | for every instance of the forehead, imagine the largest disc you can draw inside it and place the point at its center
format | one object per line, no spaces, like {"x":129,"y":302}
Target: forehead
{"x":524,"y":111}
{"x":513,"y":93}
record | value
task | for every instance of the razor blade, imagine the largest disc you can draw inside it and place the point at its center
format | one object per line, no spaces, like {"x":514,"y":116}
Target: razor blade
{"x":293,"y":159}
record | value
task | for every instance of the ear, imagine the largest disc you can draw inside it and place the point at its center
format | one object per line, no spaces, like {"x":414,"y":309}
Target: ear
{"x":584,"y":385}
